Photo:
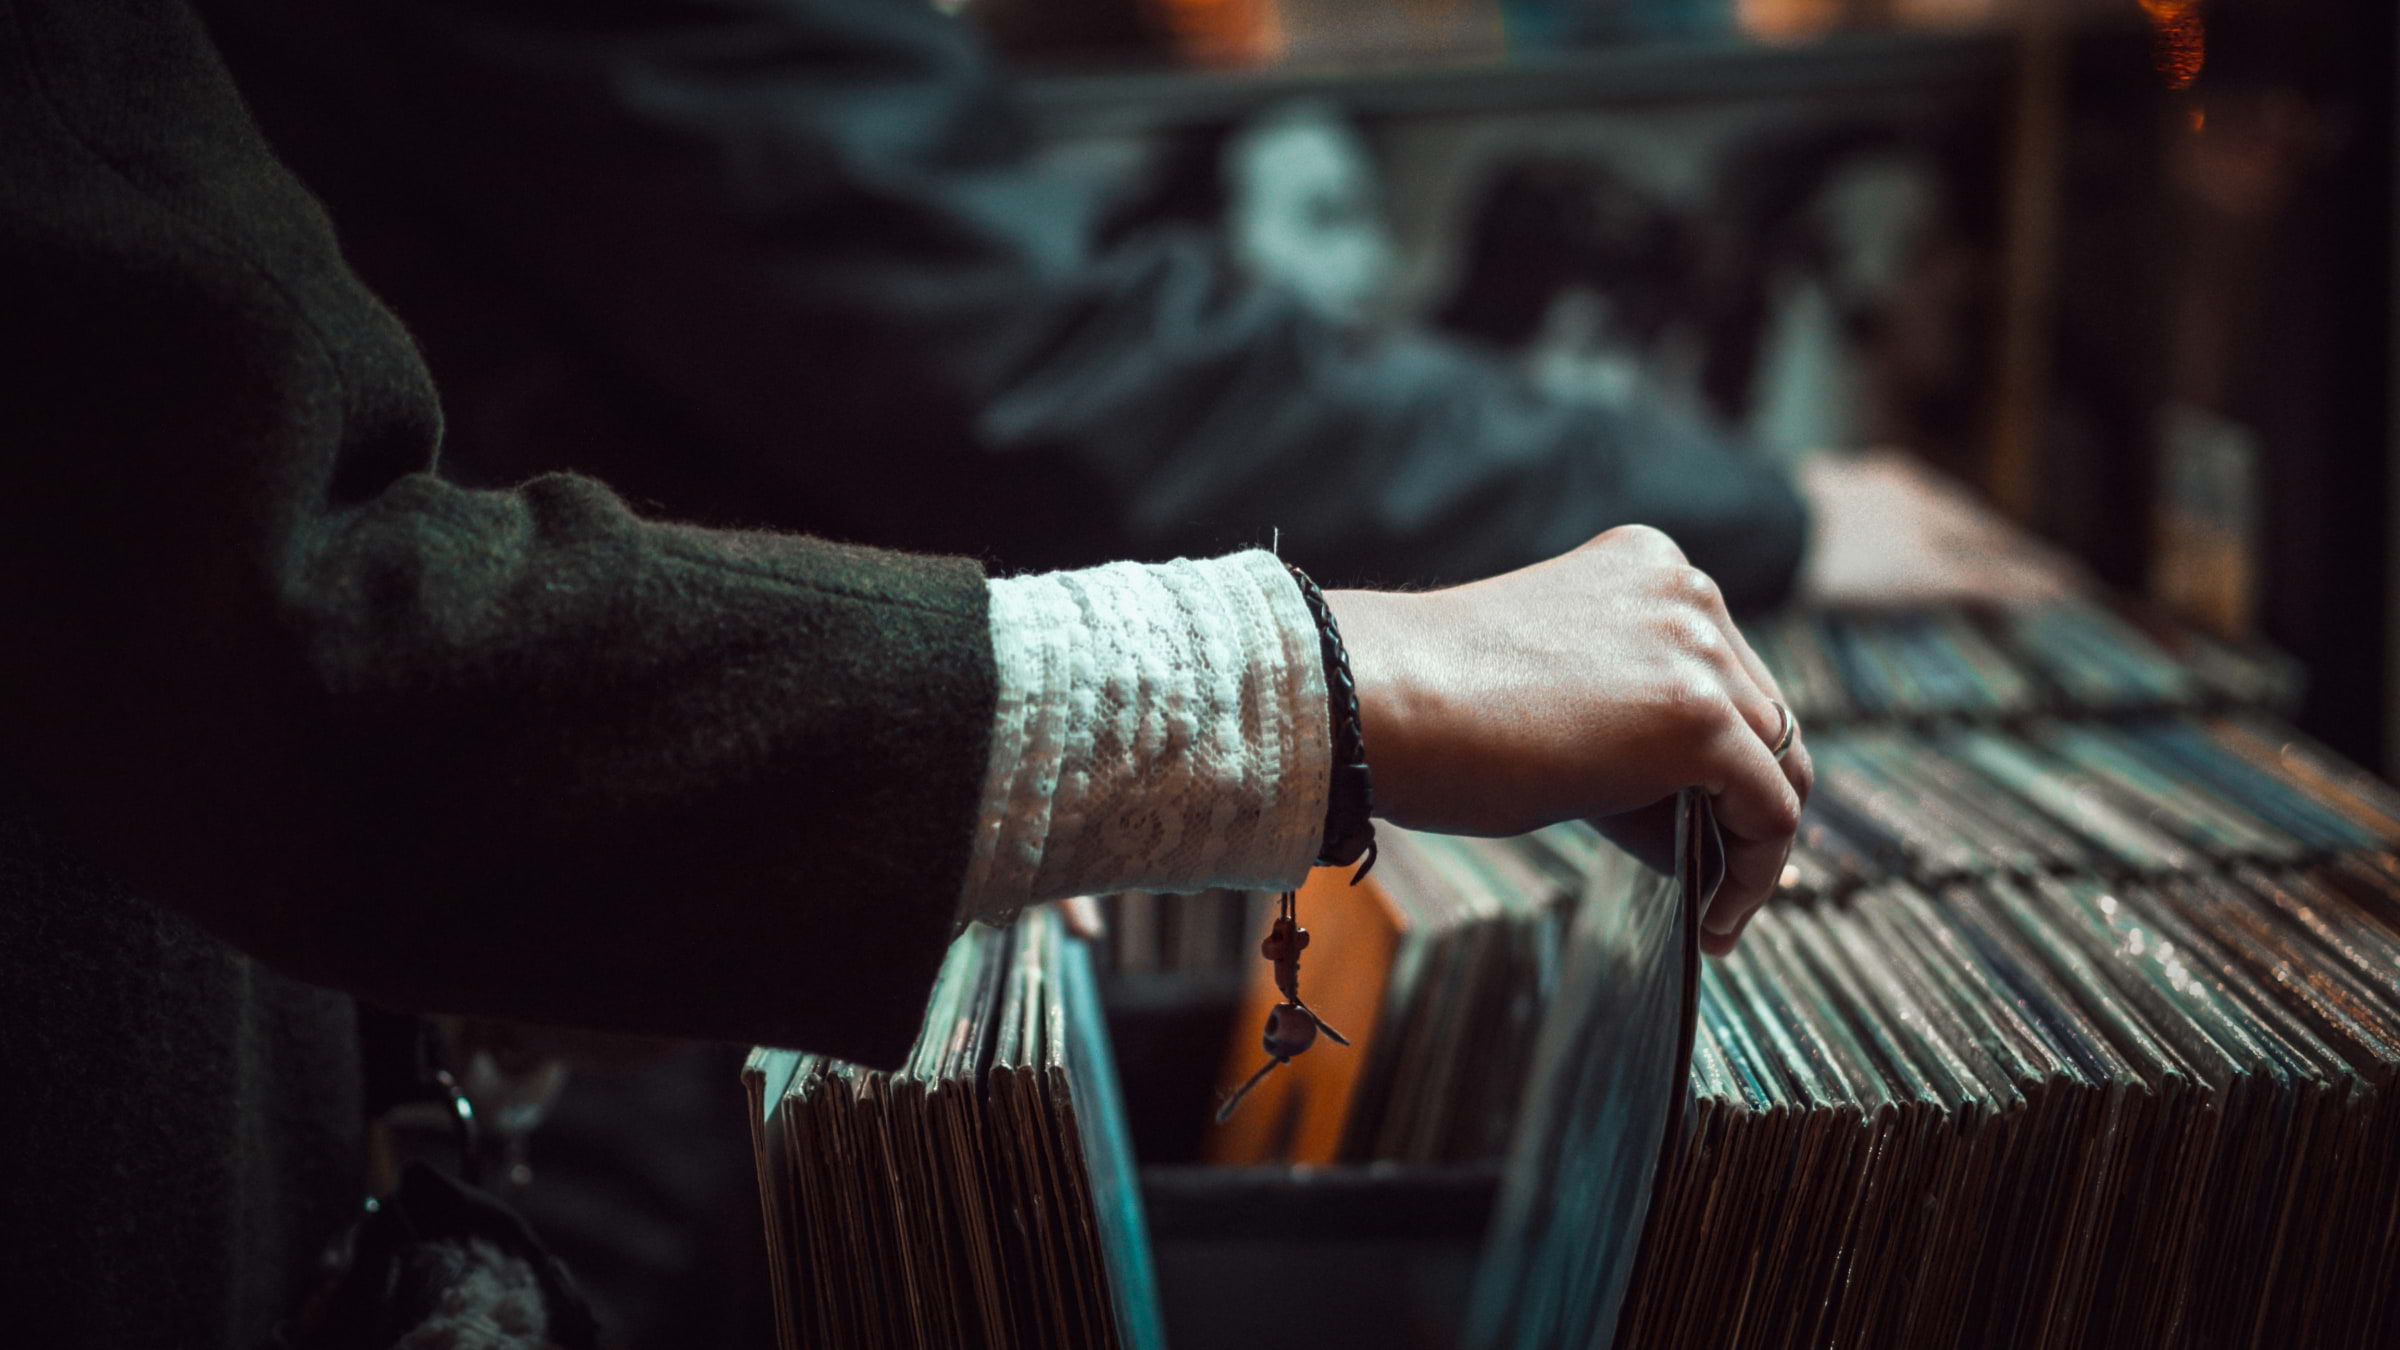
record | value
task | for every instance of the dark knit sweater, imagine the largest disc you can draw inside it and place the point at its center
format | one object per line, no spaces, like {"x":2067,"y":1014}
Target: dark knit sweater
{"x":279,"y":704}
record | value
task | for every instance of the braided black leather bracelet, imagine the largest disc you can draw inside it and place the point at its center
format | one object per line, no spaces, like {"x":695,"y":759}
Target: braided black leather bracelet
{"x":1350,"y":800}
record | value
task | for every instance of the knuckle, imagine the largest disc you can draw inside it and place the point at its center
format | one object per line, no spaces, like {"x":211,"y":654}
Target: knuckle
{"x":1688,"y":633}
{"x":1645,"y":541}
{"x":1698,"y":587}
{"x":1693,"y":704}
{"x":1705,"y":640}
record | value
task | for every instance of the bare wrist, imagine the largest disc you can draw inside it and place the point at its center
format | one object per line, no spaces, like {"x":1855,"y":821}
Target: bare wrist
{"x":1384,"y":635}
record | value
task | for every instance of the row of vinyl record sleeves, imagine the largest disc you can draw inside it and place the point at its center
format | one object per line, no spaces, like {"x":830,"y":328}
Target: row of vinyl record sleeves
{"x":2067,"y":1028}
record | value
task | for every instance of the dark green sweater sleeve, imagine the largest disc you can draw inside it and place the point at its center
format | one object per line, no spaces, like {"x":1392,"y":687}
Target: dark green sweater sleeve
{"x":523,"y":753}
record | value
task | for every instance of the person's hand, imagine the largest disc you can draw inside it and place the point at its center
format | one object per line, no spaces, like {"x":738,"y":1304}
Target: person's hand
{"x":1885,"y":530}
{"x":1590,"y":686}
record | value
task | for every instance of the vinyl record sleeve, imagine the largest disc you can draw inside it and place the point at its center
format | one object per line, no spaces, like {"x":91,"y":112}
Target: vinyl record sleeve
{"x":1605,"y":1104}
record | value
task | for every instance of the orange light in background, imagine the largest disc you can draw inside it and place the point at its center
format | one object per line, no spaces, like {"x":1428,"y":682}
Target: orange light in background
{"x":2182,"y":40}
{"x":1225,"y":32}
{"x":1786,"y":20}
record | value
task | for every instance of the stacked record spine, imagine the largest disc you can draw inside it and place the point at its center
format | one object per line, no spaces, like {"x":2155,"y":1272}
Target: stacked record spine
{"x":2042,"y":1111}
{"x":981,"y":1195}
{"x":2076,"y":1020}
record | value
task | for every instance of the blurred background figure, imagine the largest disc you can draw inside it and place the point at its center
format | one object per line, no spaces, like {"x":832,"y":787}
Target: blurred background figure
{"x":1304,"y":211}
{"x":1590,"y":278}
{"x":627,"y":248}
{"x":1854,"y":292}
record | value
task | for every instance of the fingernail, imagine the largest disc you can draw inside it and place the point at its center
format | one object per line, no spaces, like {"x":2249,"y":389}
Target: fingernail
{"x":1722,"y":921}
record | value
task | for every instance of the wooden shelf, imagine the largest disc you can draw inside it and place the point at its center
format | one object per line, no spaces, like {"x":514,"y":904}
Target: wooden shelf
{"x":1132,"y":101}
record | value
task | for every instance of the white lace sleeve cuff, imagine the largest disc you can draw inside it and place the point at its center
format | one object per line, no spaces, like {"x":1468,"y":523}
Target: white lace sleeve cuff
{"x":1158,"y":728}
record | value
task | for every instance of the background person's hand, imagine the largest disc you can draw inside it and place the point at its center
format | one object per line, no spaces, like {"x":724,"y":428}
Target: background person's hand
{"x":1591,"y":686}
{"x":1884,"y":530}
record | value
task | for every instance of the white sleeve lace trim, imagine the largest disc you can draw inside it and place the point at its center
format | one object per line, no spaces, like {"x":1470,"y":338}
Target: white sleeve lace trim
{"x":1158,"y":728}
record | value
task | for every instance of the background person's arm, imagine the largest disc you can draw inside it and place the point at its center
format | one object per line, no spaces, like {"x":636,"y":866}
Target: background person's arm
{"x":809,"y":230}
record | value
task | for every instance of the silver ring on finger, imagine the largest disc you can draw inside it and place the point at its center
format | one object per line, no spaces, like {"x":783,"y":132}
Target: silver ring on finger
{"x":1788,"y":732}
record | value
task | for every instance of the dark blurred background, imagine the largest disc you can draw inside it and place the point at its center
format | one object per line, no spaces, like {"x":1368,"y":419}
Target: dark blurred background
{"x":2123,"y":265}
